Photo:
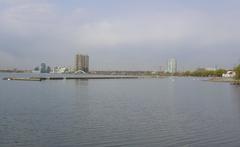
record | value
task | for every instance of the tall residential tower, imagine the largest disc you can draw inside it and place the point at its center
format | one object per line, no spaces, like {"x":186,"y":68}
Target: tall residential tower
{"x":82,"y":62}
{"x":172,"y":65}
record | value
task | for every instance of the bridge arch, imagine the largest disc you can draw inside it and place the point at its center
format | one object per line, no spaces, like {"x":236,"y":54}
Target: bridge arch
{"x":80,"y":72}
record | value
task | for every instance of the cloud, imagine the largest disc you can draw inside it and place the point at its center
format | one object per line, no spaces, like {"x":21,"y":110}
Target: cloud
{"x":178,"y":29}
{"x":44,"y":31}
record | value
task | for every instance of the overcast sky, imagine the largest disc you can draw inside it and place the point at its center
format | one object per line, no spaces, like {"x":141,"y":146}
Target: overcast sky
{"x":120,"y":34}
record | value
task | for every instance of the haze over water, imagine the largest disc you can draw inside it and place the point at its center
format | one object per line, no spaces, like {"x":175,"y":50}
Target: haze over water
{"x":136,"y":112}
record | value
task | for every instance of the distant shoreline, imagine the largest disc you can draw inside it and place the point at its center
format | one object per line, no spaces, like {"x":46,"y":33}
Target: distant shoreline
{"x":210,"y":79}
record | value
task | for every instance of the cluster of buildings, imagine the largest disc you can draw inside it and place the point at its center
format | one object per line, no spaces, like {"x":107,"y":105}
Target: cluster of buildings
{"x":81,"y":66}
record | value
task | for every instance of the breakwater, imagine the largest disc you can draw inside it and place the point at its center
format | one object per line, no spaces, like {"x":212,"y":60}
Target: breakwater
{"x":69,"y":78}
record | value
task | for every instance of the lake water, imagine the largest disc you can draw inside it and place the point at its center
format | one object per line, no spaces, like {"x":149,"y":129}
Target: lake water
{"x":124,"y":112}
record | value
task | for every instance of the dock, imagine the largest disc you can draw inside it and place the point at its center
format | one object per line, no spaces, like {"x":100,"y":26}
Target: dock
{"x":69,"y":78}
{"x":23,"y":79}
{"x":101,"y":77}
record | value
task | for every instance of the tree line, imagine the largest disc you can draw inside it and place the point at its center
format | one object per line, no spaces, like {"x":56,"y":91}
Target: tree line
{"x":205,"y":73}
{"x":201,"y":72}
{"x":211,"y":73}
{"x":237,"y":70}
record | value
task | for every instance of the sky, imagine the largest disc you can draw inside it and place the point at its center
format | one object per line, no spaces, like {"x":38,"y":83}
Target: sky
{"x":120,"y":34}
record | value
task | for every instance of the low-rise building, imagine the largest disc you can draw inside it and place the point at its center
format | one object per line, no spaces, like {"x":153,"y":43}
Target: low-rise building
{"x":59,"y":69}
{"x":229,"y":74}
{"x":63,"y":70}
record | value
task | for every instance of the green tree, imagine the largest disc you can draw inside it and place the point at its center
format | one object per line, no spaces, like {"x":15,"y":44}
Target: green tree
{"x":219,"y":72}
{"x":187,"y":73}
{"x":237,"y":70}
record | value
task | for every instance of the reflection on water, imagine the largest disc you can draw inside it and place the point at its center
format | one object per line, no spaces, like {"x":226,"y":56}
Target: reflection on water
{"x":127,"y":112}
{"x":235,"y":96}
{"x":81,"y":82}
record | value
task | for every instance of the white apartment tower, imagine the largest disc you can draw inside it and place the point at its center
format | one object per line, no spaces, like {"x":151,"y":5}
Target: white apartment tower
{"x":172,"y":65}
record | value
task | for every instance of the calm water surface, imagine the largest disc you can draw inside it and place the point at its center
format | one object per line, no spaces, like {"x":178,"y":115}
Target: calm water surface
{"x":128,"y":112}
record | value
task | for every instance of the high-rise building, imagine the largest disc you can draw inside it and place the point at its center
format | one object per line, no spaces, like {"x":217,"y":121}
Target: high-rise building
{"x":43,"y":68}
{"x":82,"y":62}
{"x":172,"y":65}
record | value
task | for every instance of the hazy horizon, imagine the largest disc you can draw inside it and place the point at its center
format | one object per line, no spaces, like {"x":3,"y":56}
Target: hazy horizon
{"x":120,"y":35}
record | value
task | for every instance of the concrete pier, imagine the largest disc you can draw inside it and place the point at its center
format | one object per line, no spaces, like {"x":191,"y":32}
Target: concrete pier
{"x":56,"y":78}
{"x":101,"y":77}
{"x":23,"y":79}
{"x":70,"y":78}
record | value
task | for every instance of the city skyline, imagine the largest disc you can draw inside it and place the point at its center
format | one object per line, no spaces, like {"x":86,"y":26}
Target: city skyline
{"x":124,"y":35}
